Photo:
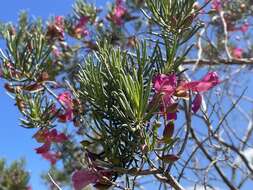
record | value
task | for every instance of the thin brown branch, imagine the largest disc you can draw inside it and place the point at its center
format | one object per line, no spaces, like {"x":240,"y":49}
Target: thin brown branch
{"x":207,"y":62}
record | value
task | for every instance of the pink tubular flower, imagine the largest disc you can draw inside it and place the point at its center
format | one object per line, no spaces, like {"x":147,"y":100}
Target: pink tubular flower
{"x":51,"y":157}
{"x":196,"y":103}
{"x":237,"y":52}
{"x":81,"y":29}
{"x":210,"y":80}
{"x":49,"y":137}
{"x":44,"y":148}
{"x":165,"y":83}
{"x":56,"y":29}
{"x":66,"y":100}
{"x":167,"y":86}
{"x":171,"y":116}
{"x":118,"y":13}
{"x":82,"y":178}
{"x":59,"y":21}
{"x":216,"y":5}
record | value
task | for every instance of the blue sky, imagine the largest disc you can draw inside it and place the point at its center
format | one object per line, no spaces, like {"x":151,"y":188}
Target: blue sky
{"x":16,"y":142}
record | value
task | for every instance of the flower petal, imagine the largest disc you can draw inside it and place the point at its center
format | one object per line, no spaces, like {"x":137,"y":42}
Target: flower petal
{"x":51,"y":157}
{"x":172,"y":116}
{"x":60,"y":138}
{"x":196,"y":103}
{"x":44,"y":148}
{"x":82,"y":178}
{"x":210,"y":80}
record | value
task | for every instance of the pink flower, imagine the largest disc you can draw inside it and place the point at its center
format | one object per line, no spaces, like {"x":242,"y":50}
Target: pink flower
{"x":57,"y":28}
{"x":67,"y":116}
{"x":237,"y":53}
{"x":216,"y":5}
{"x":59,"y":21}
{"x":51,"y":157}
{"x":172,"y":116}
{"x":81,"y":29}
{"x":118,"y":13}
{"x":210,"y":80}
{"x":165,"y":85}
{"x":48,"y":137}
{"x":196,"y":103}
{"x":82,"y":178}
{"x":44,"y":148}
{"x":66,"y":100}
{"x":245,"y":27}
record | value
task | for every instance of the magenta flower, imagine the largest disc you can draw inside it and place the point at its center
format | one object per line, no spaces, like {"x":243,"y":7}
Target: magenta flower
{"x":216,"y":5}
{"x":118,"y":13}
{"x":165,"y":83}
{"x":83,"y":178}
{"x":48,"y":137}
{"x":196,"y":103}
{"x":237,"y":53}
{"x":66,"y":100}
{"x":172,"y":116}
{"x":51,"y":157}
{"x":168,"y":87}
{"x":81,"y":28}
{"x":59,"y":21}
{"x":56,"y":29}
{"x":209,"y":81}
{"x":44,"y":148}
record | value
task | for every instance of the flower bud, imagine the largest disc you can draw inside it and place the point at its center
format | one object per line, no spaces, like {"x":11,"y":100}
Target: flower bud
{"x":168,"y":130}
{"x":169,"y":158}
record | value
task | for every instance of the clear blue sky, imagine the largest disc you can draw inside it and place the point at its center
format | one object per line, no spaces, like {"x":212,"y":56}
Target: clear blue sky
{"x":16,"y":142}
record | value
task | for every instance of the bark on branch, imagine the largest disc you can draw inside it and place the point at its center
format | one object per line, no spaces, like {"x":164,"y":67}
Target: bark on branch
{"x":205,"y":62}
